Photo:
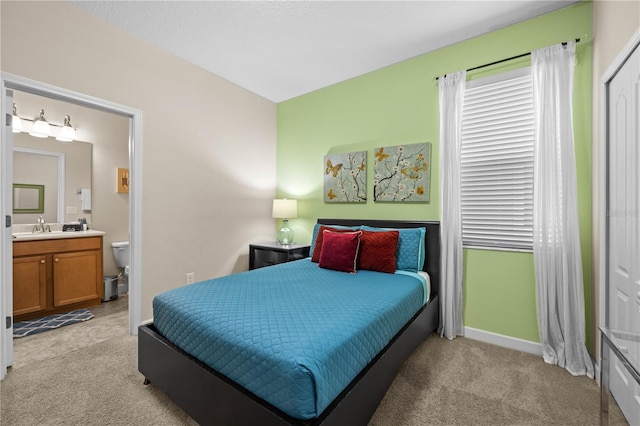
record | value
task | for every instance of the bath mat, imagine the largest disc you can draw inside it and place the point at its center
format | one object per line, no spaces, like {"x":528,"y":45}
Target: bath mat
{"x":26,"y":328}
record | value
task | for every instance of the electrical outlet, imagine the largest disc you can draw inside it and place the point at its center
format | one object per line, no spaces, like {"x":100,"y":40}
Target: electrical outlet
{"x":190,"y":277}
{"x":71,"y":210}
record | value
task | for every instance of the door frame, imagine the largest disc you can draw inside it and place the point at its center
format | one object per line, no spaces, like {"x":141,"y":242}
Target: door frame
{"x":9,"y":83}
{"x":605,"y":80}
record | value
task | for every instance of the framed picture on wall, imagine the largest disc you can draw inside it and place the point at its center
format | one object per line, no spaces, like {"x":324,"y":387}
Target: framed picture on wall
{"x":28,"y":198}
{"x":345,"y":177}
{"x":401,"y":173}
{"x":122,"y":180}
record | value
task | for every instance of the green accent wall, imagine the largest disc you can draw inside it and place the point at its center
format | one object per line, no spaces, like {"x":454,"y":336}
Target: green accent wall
{"x":399,"y":105}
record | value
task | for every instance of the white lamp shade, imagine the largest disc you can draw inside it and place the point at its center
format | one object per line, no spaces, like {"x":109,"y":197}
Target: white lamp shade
{"x":40,"y":129}
{"x":67,"y":134}
{"x":285,"y":209}
{"x":16,"y":124}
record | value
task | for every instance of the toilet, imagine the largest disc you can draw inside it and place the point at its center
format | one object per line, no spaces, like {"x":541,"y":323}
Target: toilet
{"x":121,"y":255}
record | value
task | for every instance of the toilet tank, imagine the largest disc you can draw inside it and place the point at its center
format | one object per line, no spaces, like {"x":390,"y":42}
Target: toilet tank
{"x":121,"y":253}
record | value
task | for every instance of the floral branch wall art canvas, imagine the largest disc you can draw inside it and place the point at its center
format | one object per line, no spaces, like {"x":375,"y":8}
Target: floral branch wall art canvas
{"x":401,"y":173}
{"x":345,"y":177}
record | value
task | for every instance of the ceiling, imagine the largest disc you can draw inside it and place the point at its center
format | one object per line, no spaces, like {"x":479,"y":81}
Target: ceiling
{"x":283,"y":49}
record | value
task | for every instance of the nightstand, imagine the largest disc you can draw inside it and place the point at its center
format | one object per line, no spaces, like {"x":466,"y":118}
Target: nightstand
{"x":267,"y":254}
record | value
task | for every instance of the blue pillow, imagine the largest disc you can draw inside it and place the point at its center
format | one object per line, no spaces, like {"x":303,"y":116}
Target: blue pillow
{"x":411,"y":251}
{"x":315,"y":233}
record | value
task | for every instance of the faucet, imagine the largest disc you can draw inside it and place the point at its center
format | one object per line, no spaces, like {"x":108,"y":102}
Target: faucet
{"x":41,"y":226}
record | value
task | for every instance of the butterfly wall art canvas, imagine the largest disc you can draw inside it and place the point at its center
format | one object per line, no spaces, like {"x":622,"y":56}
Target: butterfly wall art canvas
{"x":345,"y":177}
{"x":401,"y":173}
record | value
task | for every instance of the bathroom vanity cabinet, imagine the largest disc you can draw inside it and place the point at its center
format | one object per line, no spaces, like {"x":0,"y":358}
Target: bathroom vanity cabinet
{"x":56,"y":275}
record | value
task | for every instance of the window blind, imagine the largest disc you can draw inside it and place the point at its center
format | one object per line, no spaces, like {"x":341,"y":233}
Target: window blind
{"x":496,"y":172}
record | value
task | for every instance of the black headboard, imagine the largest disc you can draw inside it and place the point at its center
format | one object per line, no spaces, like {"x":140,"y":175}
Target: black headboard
{"x":432,"y":240}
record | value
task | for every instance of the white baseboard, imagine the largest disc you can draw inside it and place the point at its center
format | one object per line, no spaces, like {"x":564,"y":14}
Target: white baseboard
{"x":504,"y":341}
{"x":148,"y":321}
{"x":517,"y":344}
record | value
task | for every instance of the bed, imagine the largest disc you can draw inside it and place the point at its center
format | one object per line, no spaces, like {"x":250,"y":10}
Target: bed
{"x":206,"y":372}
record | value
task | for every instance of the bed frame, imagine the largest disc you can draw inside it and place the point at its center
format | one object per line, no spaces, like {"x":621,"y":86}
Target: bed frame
{"x":210,"y":398}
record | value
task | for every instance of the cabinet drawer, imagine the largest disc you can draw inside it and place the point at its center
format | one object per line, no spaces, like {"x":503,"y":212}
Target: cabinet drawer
{"x":267,"y":254}
{"x":267,"y":258}
{"x":30,"y":248}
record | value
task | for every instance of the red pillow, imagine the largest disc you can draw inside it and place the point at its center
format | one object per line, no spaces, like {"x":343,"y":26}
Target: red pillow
{"x":378,"y":251}
{"x":315,"y":256}
{"x":340,"y":250}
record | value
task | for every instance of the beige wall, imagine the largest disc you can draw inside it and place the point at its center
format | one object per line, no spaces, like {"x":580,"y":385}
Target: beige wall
{"x":614,"y":23}
{"x":109,"y":137}
{"x":208,"y":149}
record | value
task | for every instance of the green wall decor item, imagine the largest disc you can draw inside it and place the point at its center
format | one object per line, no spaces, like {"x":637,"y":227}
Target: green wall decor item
{"x":345,"y":177}
{"x":401,"y":173}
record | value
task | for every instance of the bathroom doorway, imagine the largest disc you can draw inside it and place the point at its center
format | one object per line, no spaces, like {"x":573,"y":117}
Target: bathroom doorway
{"x":15,"y":85}
{"x":85,"y":165}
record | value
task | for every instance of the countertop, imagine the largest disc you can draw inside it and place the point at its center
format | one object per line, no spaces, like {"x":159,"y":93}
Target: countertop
{"x":29,"y":236}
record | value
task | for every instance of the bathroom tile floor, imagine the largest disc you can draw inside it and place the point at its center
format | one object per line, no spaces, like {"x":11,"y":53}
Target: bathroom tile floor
{"x":111,"y":319}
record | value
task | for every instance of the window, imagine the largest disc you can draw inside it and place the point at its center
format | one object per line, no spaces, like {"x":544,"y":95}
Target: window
{"x":496,"y":172}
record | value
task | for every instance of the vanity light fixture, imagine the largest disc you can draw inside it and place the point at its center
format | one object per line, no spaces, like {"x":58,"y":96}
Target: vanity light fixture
{"x":16,"y":122}
{"x":67,"y":132}
{"x":41,"y":128}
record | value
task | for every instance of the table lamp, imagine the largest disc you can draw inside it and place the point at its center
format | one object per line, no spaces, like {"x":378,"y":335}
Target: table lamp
{"x":285,"y":209}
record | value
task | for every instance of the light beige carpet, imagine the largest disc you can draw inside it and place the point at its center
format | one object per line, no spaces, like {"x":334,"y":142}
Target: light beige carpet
{"x":466,"y":382}
{"x":462,"y":382}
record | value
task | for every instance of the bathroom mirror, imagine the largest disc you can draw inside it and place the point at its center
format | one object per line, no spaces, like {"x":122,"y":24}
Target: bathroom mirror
{"x":28,"y":198}
{"x":61,"y":167}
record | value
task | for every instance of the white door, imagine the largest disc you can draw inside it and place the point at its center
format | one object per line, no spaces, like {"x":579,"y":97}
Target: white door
{"x":623,"y":216}
{"x":6,"y":253}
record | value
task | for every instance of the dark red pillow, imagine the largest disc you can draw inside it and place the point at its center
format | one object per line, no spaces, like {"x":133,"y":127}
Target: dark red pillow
{"x":315,"y":256}
{"x":378,"y":251}
{"x":340,"y":250}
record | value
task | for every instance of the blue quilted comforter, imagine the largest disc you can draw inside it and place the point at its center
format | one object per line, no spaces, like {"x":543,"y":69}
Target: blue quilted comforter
{"x":294,"y":334}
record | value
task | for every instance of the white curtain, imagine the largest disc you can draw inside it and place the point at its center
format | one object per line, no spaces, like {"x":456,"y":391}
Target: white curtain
{"x":556,"y":235}
{"x":451,"y":101}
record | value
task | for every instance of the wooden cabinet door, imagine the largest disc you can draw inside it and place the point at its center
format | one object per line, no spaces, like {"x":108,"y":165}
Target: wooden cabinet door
{"x":75,"y":277}
{"x":29,"y":284}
